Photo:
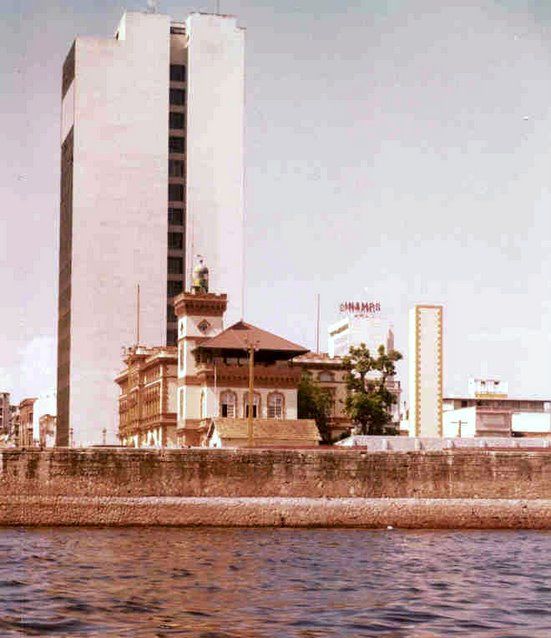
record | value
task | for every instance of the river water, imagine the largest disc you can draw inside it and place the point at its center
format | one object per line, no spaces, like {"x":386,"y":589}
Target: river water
{"x":222,"y":583}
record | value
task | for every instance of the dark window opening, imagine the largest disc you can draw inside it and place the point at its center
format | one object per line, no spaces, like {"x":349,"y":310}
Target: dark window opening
{"x":170,"y":314}
{"x":175,"y":265}
{"x":177,"y":97}
{"x":171,"y":337}
{"x":176,"y":120}
{"x":177,"y":73}
{"x":174,"y":288}
{"x":176,"y":144}
{"x":176,"y":216}
{"x":175,"y":168}
{"x":176,"y":241}
{"x":176,"y":192}
{"x":247,"y":410}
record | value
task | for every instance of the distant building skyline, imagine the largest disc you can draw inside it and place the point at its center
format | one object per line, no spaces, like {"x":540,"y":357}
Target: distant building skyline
{"x":402,"y":146}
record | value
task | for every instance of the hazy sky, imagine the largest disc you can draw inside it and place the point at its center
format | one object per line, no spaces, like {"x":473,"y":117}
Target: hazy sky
{"x":403,"y":146}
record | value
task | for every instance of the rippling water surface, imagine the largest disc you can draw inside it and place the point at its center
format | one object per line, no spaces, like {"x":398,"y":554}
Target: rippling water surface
{"x":219,"y":583}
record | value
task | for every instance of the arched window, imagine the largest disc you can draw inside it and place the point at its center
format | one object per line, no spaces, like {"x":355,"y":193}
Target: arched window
{"x":228,"y":404}
{"x":276,"y":405}
{"x":256,"y":405}
{"x":325,"y":376}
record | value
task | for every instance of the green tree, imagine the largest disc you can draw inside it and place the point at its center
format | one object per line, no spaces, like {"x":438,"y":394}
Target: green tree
{"x":368,"y":400}
{"x":314,"y":402}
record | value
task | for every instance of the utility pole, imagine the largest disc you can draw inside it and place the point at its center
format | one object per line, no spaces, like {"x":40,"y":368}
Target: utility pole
{"x":251,"y":396}
{"x":138,"y":316}
{"x":459,"y":424}
{"x":318,"y":324}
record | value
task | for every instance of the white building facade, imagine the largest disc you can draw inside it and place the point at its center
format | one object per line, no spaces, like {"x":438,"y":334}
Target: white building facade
{"x":151,"y":174}
{"x":425,"y":370}
{"x":372,"y":329}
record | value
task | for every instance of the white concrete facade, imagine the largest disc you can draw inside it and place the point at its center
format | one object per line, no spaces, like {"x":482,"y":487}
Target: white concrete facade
{"x":119,"y":210}
{"x":215,"y":111}
{"x":374,"y":331}
{"x":117,"y":108}
{"x":425,"y":370}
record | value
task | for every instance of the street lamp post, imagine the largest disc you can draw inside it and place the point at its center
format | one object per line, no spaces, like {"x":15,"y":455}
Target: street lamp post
{"x":251,"y":396}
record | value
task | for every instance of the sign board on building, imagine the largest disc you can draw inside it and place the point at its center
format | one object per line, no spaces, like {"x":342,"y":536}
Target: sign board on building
{"x":360,"y":308}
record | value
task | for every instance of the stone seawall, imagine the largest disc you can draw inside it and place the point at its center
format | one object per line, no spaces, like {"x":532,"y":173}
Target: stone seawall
{"x":346,"y":487}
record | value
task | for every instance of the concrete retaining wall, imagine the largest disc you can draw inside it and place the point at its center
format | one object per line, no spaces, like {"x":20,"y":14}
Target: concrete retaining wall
{"x":350,"y":487}
{"x":278,"y":512}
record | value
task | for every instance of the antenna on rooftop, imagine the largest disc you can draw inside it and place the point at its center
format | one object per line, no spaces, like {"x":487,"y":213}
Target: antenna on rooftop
{"x":318,"y":323}
{"x":138,"y":315}
{"x":152,"y":6}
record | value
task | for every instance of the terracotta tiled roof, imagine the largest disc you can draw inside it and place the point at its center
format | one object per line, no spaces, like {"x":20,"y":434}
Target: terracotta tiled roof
{"x":273,"y":429}
{"x":241,"y":335}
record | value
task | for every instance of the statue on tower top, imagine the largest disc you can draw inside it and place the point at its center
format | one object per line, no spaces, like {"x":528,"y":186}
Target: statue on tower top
{"x":200,"y":277}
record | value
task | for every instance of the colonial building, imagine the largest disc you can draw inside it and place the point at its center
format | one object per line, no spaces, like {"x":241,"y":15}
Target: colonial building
{"x":147,"y":401}
{"x":24,"y":435}
{"x":213,"y":368}
{"x":330,"y":374}
{"x":216,"y":368}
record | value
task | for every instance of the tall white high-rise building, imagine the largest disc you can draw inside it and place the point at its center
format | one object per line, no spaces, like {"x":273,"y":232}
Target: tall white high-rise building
{"x":425,"y":370}
{"x":151,"y":175}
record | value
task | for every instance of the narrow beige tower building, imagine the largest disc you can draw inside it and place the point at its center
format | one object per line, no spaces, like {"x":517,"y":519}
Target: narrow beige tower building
{"x":425,"y":370}
{"x":151,"y":175}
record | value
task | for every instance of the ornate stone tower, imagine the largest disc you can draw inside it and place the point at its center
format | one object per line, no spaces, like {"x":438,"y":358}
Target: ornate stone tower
{"x":200,"y":316}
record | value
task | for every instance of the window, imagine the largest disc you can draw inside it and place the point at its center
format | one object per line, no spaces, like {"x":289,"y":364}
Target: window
{"x":176,"y":120}
{"x":174,"y":288}
{"x":176,"y":192}
{"x":325,"y":376}
{"x":176,"y":144}
{"x":171,"y":337}
{"x":228,"y":404}
{"x":170,"y":315}
{"x":181,"y":356}
{"x":177,"y":73}
{"x":177,"y":97}
{"x":175,"y":241}
{"x":181,"y":404}
{"x":175,"y":265}
{"x":276,"y":402}
{"x":176,"y":216}
{"x":175,"y":168}
{"x":256,"y":405}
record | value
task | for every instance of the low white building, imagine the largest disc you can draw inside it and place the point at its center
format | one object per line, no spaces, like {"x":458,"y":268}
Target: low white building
{"x":480,"y":421}
{"x":531,"y":424}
